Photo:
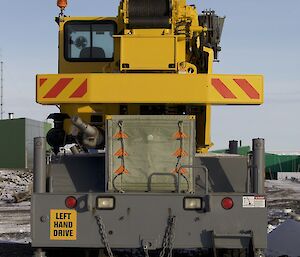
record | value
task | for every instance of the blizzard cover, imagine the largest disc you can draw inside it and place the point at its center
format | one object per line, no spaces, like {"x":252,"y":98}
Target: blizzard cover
{"x":145,"y":153}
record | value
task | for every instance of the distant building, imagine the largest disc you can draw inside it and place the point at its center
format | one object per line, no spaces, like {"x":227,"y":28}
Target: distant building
{"x":279,"y":163}
{"x":16,"y":142}
{"x":243,"y":150}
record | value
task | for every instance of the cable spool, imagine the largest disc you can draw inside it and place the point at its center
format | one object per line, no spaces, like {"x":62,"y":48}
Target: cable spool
{"x":149,"y":13}
{"x":149,"y":8}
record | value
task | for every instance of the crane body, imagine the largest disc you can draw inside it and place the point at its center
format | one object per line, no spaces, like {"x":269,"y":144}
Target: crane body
{"x":134,"y":94}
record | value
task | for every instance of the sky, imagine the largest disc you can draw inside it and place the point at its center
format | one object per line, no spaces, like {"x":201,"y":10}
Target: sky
{"x":259,"y":37}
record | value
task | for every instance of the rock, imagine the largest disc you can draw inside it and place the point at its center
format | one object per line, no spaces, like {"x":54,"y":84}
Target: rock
{"x":15,"y":185}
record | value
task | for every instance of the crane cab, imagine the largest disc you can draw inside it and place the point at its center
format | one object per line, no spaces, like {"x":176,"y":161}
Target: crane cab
{"x":87,"y":45}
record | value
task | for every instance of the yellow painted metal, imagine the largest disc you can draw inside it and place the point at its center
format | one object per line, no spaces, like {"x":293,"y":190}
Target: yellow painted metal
{"x":155,"y":49}
{"x":181,"y":14}
{"x":108,"y":86}
{"x":210,"y":59}
{"x":207,"y":139}
{"x":148,"y":53}
{"x":149,"y":88}
{"x":204,"y":121}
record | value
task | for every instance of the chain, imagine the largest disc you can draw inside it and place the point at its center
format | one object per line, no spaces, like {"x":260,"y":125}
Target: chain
{"x":171,"y":235}
{"x":103,"y":235}
{"x":168,"y":241}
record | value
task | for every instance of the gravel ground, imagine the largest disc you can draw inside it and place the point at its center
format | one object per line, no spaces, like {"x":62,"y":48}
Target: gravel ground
{"x":283,"y":196}
{"x":15,"y":222}
{"x":13,"y":184}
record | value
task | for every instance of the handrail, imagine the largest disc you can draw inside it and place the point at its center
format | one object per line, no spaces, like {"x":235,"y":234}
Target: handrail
{"x":194,"y":167}
{"x":162,"y":174}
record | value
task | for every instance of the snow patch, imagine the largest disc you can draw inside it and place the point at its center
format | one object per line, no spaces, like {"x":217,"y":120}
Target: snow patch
{"x":14,"y":182}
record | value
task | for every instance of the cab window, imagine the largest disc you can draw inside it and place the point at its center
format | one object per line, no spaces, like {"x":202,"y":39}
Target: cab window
{"x":89,"y":41}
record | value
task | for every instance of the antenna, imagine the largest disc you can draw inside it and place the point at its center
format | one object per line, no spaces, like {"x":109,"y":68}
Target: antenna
{"x":1,"y":101}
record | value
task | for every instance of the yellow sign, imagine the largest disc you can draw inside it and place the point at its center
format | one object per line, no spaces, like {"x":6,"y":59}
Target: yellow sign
{"x":63,"y":225}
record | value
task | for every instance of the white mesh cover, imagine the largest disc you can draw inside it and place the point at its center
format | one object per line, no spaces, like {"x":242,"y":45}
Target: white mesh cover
{"x":152,"y":148}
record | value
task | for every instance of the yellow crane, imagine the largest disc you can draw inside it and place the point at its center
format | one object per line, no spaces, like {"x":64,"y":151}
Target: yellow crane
{"x":135,"y":94}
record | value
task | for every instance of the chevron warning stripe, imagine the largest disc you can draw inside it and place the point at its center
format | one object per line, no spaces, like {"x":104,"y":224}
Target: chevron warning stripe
{"x":222,"y":89}
{"x":247,"y":88}
{"x":42,"y":81}
{"x":80,"y":91}
{"x":58,"y":88}
{"x":62,"y":85}
{"x":227,"y":91}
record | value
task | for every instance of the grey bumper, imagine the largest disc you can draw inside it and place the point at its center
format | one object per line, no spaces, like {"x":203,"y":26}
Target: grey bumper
{"x":137,"y":218}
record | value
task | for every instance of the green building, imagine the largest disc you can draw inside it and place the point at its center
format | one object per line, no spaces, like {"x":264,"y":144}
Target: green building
{"x":281,"y":163}
{"x":243,"y":150}
{"x":16,"y":140}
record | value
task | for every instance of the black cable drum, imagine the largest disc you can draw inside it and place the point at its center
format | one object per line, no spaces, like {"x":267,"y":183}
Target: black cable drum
{"x":149,"y":8}
{"x":149,"y":13}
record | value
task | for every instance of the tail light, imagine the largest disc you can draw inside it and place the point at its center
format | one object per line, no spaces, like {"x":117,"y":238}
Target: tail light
{"x":71,"y":202}
{"x":227,"y":203}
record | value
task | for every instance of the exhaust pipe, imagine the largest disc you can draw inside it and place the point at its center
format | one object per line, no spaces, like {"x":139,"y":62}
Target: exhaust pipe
{"x":39,"y":169}
{"x":233,"y":147}
{"x":258,"y":165}
{"x":92,"y":137}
